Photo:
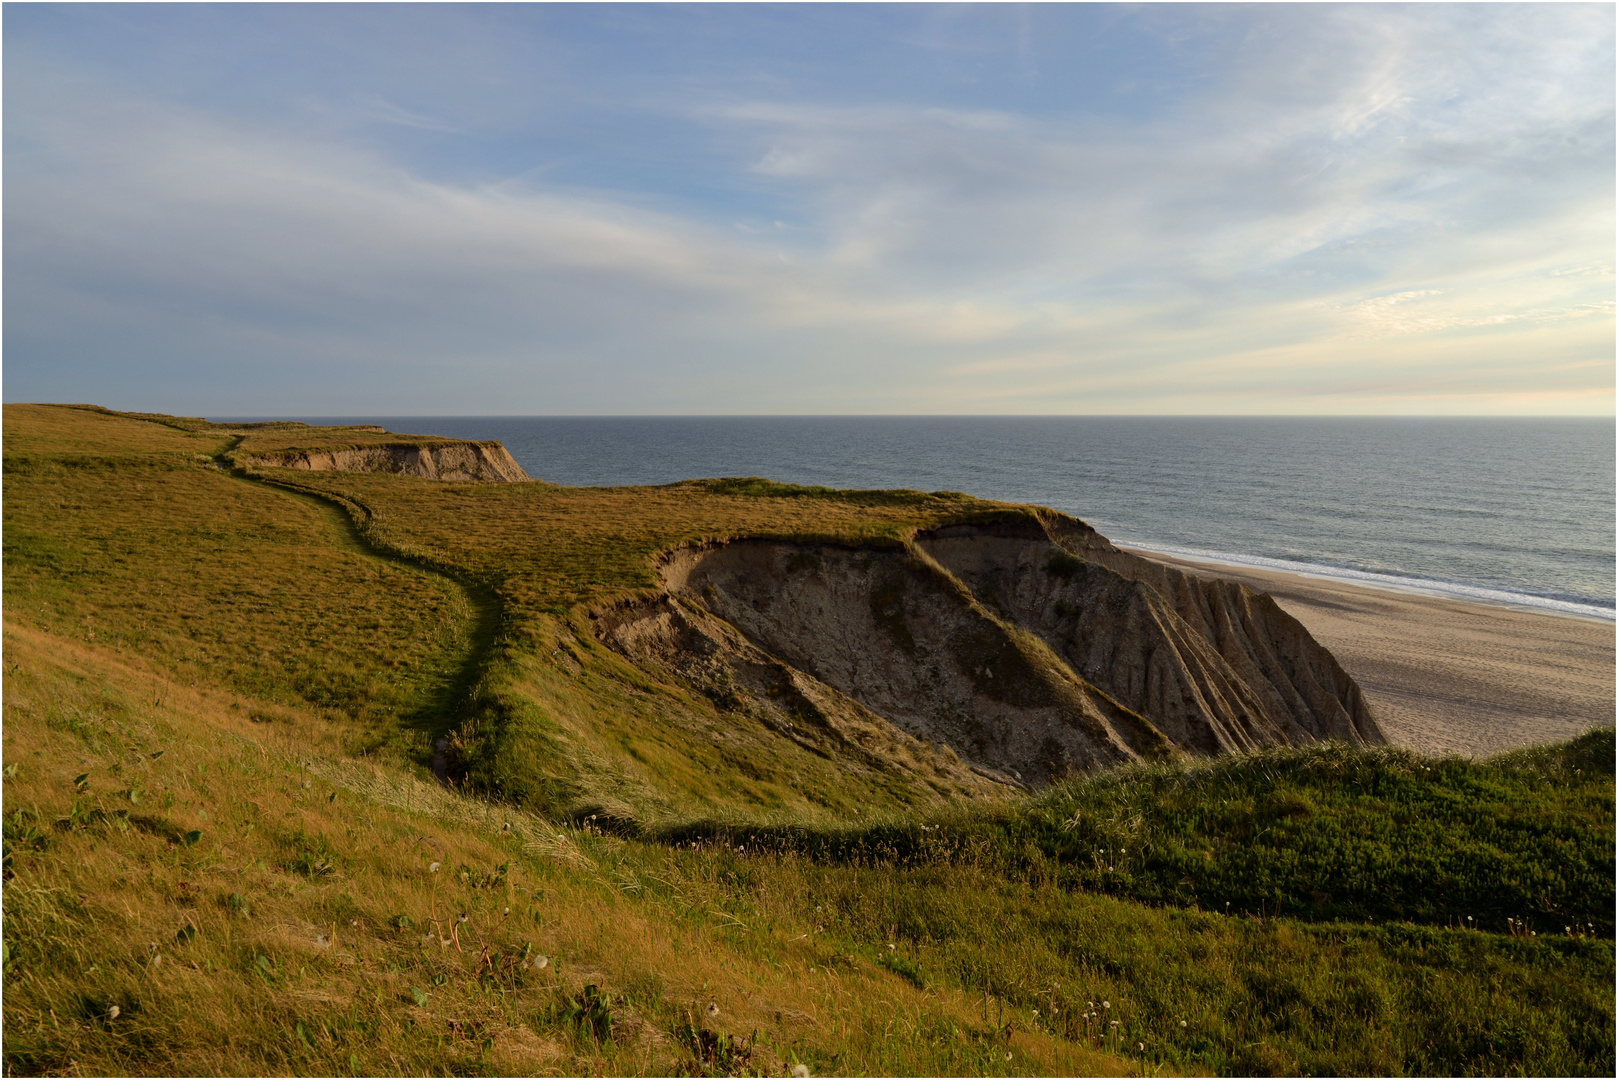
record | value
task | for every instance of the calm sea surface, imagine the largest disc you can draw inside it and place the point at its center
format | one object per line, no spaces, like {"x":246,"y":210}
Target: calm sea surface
{"x":1517,"y":511}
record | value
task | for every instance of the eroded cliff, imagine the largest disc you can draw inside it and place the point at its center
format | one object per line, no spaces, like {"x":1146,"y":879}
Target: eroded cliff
{"x":1030,"y":647}
{"x":462,"y":461}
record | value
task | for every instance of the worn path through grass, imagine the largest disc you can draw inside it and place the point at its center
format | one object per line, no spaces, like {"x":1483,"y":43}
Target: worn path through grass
{"x":224,"y":579}
{"x":449,"y":706}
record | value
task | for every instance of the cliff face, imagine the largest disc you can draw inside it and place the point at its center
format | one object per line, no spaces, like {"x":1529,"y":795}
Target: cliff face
{"x":1031,"y":648}
{"x":489,"y":462}
{"x":1215,"y":665}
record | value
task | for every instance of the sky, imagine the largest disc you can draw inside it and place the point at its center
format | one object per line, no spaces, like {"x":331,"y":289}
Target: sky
{"x":817,"y":209}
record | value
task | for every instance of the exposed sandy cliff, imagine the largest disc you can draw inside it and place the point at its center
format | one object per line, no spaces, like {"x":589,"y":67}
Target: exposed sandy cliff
{"x":439,"y":461}
{"x":1029,"y":646}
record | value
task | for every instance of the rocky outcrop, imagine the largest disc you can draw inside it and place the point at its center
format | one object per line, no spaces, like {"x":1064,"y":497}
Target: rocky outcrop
{"x":462,"y":461}
{"x":1028,"y":646}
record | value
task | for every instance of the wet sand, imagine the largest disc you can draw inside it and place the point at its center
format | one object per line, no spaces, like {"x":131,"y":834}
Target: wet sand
{"x":1446,"y":677}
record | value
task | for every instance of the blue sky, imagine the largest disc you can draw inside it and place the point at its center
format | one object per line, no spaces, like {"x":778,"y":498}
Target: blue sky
{"x":577,"y":209}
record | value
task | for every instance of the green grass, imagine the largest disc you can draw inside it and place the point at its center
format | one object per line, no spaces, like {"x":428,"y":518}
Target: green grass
{"x":231,"y":582}
{"x":1522,"y":843}
{"x":201,"y":832}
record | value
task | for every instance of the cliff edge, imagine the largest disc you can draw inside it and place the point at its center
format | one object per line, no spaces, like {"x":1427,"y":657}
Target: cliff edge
{"x":488,"y":462}
{"x":1029,"y":645}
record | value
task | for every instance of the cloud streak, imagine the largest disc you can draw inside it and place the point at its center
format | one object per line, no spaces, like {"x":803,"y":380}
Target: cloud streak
{"x":1356,"y":199}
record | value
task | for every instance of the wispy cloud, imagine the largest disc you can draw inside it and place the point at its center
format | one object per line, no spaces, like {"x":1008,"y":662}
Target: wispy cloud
{"x":1355,"y":198}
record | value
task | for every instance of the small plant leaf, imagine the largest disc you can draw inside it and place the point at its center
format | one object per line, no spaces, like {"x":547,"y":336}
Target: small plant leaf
{"x":81,"y":779}
{"x":420,"y":995}
{"x":192,"y":837}
{"x":266,"y":963}
{"x":156,"y":754}
{"x":185,"y":933}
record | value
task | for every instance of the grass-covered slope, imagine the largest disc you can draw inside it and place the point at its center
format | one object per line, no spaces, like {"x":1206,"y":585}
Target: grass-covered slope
{"x":252,"y":900}
{"x":125,"y":533}
{"x":1324,"y":834}
{"x":215,"y":863}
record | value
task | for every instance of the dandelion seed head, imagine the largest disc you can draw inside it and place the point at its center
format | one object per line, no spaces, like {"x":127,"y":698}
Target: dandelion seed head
{"x":432,"y":868}
{"x":112,"y":1012}
{"x":713,"y":1008}
{"x":541,"y":963}
{"x":1182,"y":1023}
{"x":1106,"y":1004}
{"x":800,"y":1070}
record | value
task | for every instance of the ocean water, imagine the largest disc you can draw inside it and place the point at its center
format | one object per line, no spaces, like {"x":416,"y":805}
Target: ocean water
{"x":1507,"y":511}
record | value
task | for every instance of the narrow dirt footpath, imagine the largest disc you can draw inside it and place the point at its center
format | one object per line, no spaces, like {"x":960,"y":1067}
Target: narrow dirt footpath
{"x":439,"y":716}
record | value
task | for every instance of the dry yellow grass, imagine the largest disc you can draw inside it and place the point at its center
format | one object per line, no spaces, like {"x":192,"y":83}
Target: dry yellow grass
{"x":273,"y":941}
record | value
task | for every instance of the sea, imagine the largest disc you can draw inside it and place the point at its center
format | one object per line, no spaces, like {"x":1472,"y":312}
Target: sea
{"x":1517,"y":512}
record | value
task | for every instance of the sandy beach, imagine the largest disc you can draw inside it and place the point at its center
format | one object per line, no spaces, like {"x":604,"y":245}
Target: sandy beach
{"x":1446,"y":677}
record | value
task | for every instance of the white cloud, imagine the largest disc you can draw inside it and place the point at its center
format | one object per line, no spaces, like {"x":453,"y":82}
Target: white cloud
{"x":1358,"y":201}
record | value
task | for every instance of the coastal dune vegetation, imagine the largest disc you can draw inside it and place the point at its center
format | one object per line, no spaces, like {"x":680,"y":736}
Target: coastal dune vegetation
{"x":318,"y":771}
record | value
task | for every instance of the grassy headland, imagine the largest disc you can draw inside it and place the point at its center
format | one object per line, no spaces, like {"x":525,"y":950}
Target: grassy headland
{"x":220,"y":695}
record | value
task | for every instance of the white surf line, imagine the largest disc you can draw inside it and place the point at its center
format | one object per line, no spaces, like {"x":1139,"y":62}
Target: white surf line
{"x":1442,"y":590}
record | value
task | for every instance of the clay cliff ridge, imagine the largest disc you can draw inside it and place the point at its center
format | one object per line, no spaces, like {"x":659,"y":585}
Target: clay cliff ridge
{"x":1028,"y":645}
{"x":461,"y":461}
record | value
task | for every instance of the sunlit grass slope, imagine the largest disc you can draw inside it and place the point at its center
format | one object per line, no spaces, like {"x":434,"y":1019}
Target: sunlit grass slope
{"x":124,"y":529}
{"x":563,"y":724}
{"x":126,"y":533}
{"x":224,"y":852}
{"x":250,"y":900}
